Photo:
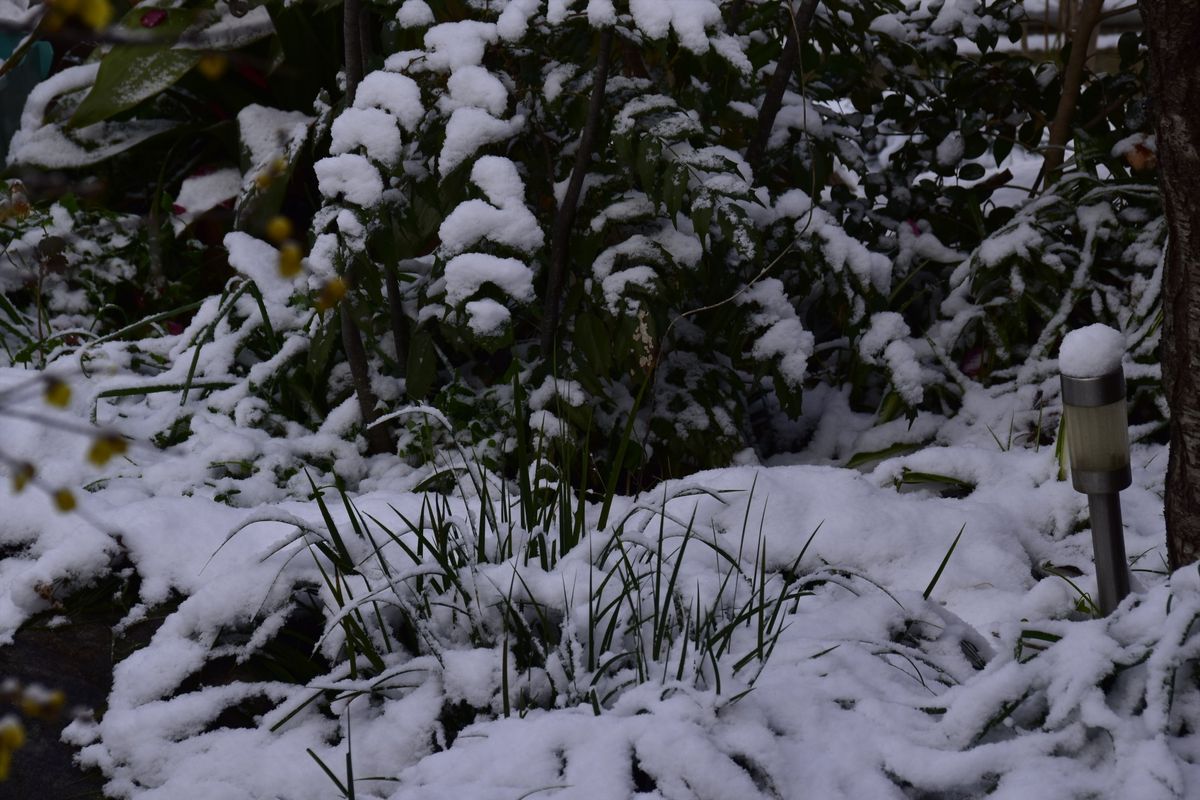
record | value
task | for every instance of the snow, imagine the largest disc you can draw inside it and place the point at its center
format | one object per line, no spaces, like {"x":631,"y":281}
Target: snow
{"x":369,"y":129}
{"x":688,"y":18}
{"x":470,"y":129}
{"x":1134,"y":143}
{"x":475,"y":86}
{"x":42,"y":143}
{"x":601,"y":13}
{"x":259,"y":262}
{"x":268,"y":133}
{"x":950,"y":150}
{"x":842,"y":708}
{"x":486,"y":317}
{"x":199,"y":193}
{"x":514,"y":19}
{"x":1091,"y":351}
{"x":452,"y":45}
{"x":467,"y":273}
{"x":350,"y":176}
{"x":503,"y":219}
{"x":414,"y":14}
{"x":396,"y":94}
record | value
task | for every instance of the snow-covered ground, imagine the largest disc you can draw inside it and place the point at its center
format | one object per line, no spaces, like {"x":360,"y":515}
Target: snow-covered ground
{"x":994,"y":684}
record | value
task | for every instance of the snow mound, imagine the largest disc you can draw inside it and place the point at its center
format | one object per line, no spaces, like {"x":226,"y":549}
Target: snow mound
{"x":1091,"y":351}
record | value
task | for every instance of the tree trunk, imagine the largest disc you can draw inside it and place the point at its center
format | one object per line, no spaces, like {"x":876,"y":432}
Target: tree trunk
{"x":564,"y":220}
{"x":1174,"y":30}
{"x":1060,"y":128}
{"x":379,"y":440}
{"x":352,"y":37}
{"x":798,"y":25}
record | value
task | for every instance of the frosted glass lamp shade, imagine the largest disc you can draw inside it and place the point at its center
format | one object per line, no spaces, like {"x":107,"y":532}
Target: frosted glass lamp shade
{"x":1097,"y":430}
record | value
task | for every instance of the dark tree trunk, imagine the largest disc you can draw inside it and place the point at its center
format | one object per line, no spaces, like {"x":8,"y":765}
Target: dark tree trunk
{"x":1174,"y":29}
{"x":379,"y":440}
{"x":564,"y":220}
{"x":1060,"y":127}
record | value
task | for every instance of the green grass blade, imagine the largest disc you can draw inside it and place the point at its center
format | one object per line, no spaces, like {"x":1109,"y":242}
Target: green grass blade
{"x":945,"y":560}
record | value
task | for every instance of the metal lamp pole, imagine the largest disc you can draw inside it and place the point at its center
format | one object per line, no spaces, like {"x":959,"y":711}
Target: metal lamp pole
{"x":1097,"y":431}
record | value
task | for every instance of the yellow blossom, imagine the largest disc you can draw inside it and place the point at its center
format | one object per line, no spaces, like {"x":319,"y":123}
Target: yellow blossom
{"x":64,"y":500}
{"x":22,"y":474}
{"x":57,"y":392}
{"x":331,"y":294}
{"x":105,"y":448}
{"x":212,"y":65}
{"x":12,"y":737}
{"x":96,"y":14}
{"x":279,"y":229}
{"x":43,"y":704}
{"x":290,"y":256}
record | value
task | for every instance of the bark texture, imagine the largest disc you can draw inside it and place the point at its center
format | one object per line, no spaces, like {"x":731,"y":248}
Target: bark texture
{"x":1174,"y":31}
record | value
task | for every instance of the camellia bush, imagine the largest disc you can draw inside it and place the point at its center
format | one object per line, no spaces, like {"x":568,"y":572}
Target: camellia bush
{"x":644,"y":231}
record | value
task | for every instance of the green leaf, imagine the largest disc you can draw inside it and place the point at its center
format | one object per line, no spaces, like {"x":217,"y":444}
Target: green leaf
{"x":593,"y":341}
{"x":647,"y":167}
{"x":971,"y":172}
{"x":702,"y":220}
{"x":1001,"y":149}
{"x":945,"y":560}
{"x":898,"y":449}
{"x":132,"y":73}
{"x":422,"y":366}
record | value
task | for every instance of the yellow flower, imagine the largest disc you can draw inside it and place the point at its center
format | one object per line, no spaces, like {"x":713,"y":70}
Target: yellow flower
{"x":53,"y":703}
{"x":96,"y":14}
{"x":12,"y":737}
{"x":43,"y":704}
{"x":57,"y":393}
{"x":63,"y":500}
{"x":22,"y":474}
{"x":212,"y":65}
{"x":279,"y":229}
{"x":105,"y":448}
{"x":268,"y":175}
{"x":290,"y":256}
{"x":12,"y":733}
{"x":331,"y":294}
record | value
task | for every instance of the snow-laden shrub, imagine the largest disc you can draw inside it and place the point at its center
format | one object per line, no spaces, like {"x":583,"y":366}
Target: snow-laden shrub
{"x":595,"y":195}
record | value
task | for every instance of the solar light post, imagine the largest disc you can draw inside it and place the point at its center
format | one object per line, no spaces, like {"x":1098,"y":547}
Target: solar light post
{"x":1097,"y":431}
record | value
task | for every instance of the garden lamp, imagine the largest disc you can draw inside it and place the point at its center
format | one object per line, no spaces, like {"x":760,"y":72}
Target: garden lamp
{"x":1097,"y":431}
